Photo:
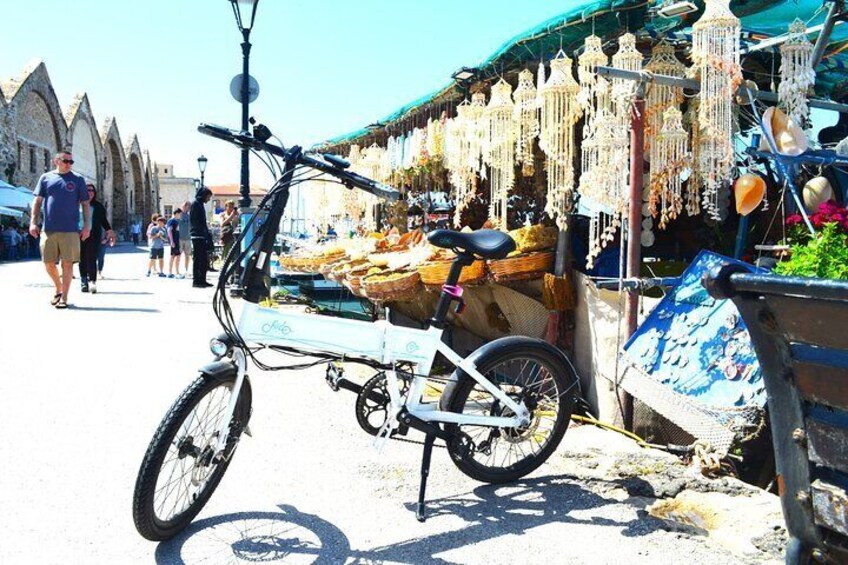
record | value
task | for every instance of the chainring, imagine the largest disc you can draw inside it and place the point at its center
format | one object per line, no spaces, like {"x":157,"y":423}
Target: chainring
{"x":372,"y":402}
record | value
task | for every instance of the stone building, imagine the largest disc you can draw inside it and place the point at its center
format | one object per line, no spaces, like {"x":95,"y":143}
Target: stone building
{"x":173,"y":190}
{"x":33,"y":128}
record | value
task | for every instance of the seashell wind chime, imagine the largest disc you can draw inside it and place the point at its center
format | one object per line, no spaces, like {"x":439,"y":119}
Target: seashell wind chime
{"x":660,"y":98}
{"x":607,"y":153}
{"x":715,"y":52}
{"x":526,"y":120}
{"x":560,"y":113}
{"x":499,"y":150}
{"x":459,"y":132}
{"x":669,"y":156}
{"x":797,"y":75}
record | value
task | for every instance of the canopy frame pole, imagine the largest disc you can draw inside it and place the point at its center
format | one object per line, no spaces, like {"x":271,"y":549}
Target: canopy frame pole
{"x":835,"y":12}
{"x":695,"y":86}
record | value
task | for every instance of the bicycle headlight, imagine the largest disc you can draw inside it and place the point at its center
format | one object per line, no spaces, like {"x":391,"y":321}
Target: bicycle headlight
{"x":219,"y":348}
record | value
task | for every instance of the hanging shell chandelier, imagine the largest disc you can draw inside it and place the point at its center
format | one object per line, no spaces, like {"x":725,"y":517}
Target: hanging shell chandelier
{"x":660,"y":97}
{"x":626,"y":58}
{"x":594,"y":97}
{"x":608,"y":189}
{"x":797,"y":75}
{"x":499,"y":150}
{"x":476,"y":131}
{"x":715,"y":51}
{"x":669,"y":157}
{"x":459,"y":133}
{"x":527,"y":121}
{"x":560,"y":113}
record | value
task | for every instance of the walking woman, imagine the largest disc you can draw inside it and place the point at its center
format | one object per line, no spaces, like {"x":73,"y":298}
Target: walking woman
{"x":229,"y":221}
{"x":90,"y":247}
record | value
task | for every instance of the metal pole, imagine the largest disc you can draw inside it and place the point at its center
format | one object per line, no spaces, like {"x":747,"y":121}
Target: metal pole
{"x":833,"y":11}
{"x":244,"y":188}
{"x":695,"y":86}
{"x":634,"y":225}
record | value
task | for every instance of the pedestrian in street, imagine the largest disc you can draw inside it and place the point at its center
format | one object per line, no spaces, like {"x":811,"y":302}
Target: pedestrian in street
{"x":229,"y":221}
{"x":10,"y":242}
{"x":185,"y":239}
{"x":59,"y":194}
{"x":135,"y":231}
{"x":200,"y":237}
{"x":174,"y":236}
{"x":157,"y":236}
{"x":90,"y":248}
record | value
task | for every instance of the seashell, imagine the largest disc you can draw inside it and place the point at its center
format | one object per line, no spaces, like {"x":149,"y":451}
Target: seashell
{"x":789,"y":137}
{"x":749,"y":190}
{"x":816,"y":192}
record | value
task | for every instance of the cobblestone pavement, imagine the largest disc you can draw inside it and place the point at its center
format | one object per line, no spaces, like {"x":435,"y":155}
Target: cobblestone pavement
{"x":82,"y":391}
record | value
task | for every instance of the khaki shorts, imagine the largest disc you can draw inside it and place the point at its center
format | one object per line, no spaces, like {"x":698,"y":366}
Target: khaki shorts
{"x":60,"y":246}
{"x":185,"y":246}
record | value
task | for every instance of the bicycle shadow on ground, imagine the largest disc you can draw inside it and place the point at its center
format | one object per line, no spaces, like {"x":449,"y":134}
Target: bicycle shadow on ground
{"x":489,"y":511}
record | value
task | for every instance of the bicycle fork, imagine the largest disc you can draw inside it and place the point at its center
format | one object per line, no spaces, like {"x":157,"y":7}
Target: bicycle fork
{"x":224,"y":432}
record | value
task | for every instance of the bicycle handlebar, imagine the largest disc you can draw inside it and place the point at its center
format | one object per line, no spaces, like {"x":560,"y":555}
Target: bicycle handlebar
{"x":348,"y":178}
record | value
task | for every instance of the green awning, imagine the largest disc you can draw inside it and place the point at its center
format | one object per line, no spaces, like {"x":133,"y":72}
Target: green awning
{"x":608,"y":18}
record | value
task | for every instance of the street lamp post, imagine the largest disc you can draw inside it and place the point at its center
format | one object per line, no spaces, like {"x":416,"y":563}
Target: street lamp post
{"x":201,"y":164}
{"x":245,"y":12}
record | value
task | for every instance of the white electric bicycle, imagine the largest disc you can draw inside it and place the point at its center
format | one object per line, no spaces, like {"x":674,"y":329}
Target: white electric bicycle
{"x":501,"y":413}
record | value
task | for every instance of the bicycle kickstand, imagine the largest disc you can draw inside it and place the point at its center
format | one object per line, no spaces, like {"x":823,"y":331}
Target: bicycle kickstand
{"x":425,"y":471}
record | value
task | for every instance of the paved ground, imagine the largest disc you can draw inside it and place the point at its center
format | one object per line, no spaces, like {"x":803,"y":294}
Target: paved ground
{"x":82,"y":391}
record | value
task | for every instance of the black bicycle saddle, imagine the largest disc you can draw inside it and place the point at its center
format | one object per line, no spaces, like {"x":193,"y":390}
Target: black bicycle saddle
{"x":489,"y":244}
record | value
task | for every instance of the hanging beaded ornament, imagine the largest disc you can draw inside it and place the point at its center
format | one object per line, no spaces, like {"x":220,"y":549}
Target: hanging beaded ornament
{"x":476,"y":131}
{"x":669,"y":157}
{"x":527,"y":121}
{"x":660,"y":97}
{"x":797,"y":75}
{"x":560,"y":113}
{"x":715,"y":51}
{"x":499,"y":150}
{"x":594,"y":97}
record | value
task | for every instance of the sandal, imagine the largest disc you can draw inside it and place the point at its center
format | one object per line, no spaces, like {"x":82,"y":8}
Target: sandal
{"x":61,"y":305}
{"x":56,"y":298}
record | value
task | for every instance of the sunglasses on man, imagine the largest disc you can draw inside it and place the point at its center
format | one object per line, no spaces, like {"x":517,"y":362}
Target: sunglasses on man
{"x":67,"y":161}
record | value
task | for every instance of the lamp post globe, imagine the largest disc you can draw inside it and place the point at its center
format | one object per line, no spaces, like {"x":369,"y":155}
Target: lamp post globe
{"x":245,"y":14}
{"x":201,"y":164}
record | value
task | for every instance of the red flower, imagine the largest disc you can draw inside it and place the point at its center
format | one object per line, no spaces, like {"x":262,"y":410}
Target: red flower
{"x":794,"y":220}
{"x":817,"y":220}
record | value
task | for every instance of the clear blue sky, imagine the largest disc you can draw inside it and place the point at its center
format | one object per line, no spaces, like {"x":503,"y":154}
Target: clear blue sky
{"x":324,"y":67}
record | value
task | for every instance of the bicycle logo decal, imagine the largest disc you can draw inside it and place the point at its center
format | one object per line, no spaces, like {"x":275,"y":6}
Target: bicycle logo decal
{"x":412,"y":347}
{"x":276,"y":328}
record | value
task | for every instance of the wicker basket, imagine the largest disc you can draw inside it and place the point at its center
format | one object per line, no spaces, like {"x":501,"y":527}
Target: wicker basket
{"x":521,"y":267}
{"x":397,"y":289}
{"x":435,"y":273}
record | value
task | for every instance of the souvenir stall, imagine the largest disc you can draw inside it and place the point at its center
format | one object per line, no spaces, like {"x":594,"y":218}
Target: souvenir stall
{"x":618,"y":141}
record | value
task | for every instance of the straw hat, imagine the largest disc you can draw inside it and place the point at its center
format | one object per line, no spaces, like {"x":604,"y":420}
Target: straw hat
{"x":749,"y":191}
{"x":788,"y":136}
{"x":816,"y":192}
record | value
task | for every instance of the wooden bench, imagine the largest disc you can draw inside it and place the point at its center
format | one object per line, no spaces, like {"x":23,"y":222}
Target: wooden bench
{"x":799,"y":328}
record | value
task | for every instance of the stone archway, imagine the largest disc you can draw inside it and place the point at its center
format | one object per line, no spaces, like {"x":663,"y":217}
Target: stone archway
{"x":119,"y":194}
{"x":138,"y":188}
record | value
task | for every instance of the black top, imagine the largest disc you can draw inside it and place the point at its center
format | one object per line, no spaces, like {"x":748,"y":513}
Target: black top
{"x":197,"y":221}
{"x":99,"y":221}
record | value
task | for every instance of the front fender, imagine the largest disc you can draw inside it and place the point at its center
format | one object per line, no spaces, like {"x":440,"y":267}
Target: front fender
{"x":220,"y":370}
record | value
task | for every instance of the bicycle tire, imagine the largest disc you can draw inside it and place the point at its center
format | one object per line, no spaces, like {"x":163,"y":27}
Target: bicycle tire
{"x":455,"y":398}
{"x":147,"y":522}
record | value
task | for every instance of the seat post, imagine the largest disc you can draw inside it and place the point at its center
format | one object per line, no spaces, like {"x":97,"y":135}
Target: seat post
{"x":445,"y":298}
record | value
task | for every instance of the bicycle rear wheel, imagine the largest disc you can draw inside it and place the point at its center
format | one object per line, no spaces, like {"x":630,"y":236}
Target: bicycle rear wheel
{"x":526,"y":372}
{"x":179,"y":473}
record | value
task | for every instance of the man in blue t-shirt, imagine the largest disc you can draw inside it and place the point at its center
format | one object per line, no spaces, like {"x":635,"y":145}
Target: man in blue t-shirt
{"x":59,"y":194}
{"x":174,"y":237}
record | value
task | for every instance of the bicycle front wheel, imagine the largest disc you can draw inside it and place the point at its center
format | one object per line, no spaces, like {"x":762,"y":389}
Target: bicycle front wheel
{"x":179,"y":471}
{"x":527,"y":372}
